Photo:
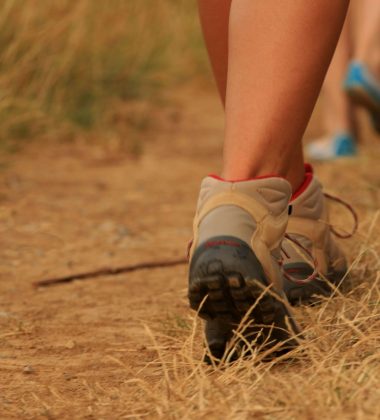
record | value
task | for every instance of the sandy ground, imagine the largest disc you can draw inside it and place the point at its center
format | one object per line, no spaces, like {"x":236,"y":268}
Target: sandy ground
{"x":77,"y":350}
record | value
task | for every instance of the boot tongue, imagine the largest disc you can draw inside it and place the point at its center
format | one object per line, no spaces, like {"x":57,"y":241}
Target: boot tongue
{"x":272,"y":192}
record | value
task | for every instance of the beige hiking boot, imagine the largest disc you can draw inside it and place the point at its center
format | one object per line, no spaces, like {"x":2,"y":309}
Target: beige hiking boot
{"x":238,"y":230}
{"x":309,"y":225}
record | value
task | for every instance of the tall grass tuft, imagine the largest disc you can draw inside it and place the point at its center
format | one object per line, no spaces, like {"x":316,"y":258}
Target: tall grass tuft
{"x":64,"y":63}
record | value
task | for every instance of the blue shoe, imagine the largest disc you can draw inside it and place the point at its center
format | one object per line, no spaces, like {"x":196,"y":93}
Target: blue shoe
{"x":364,"y":90}
{"x":338,"y":146}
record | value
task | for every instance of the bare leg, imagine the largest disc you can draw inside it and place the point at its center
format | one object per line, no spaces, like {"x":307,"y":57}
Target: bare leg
{"x":337,"y":106}
{"x":214,"y":16}
{"x":367,"y":48}
{"x":273,"y":83}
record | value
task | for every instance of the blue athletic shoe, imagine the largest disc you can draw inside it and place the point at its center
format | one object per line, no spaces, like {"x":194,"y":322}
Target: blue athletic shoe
{"x":364,"y":90}
{"x":338,"y":146}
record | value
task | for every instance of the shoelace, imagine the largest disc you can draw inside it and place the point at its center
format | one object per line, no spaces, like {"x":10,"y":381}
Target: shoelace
{"x":314,"y":274}
{"x":353,"y":213}
{"x":295,"y":280}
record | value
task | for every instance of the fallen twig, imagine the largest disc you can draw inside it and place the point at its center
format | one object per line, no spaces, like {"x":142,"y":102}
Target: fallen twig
{"x":110,"y":271}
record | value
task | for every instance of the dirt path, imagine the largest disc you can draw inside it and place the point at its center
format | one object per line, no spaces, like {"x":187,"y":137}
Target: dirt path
{"x":77,"y":350}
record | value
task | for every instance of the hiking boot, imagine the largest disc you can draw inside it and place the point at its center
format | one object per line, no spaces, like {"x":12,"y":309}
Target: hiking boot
{"x":238,"y":229}
{"x":309,"y":226}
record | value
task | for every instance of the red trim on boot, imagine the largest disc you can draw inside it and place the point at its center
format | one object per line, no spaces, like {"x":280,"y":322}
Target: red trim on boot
{"x":306,"y":182}
{"x":219,"y":178}
{"x":308,"y":168}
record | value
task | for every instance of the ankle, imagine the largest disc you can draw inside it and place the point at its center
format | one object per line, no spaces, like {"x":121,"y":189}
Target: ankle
{"x":306,"y":181}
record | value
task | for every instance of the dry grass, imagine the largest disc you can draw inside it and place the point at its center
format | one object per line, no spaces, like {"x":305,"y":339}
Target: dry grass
{"x":67,"y":66}
{"x":333,"y":374}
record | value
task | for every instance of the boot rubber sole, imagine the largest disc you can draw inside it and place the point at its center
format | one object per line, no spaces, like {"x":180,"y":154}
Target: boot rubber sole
{"x":227,"y":284}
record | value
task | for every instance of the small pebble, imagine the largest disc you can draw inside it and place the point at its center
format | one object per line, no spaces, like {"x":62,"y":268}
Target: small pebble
{"x":28,"y":370}
{"x":69,"y":376}
{"x":70,"y":344}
